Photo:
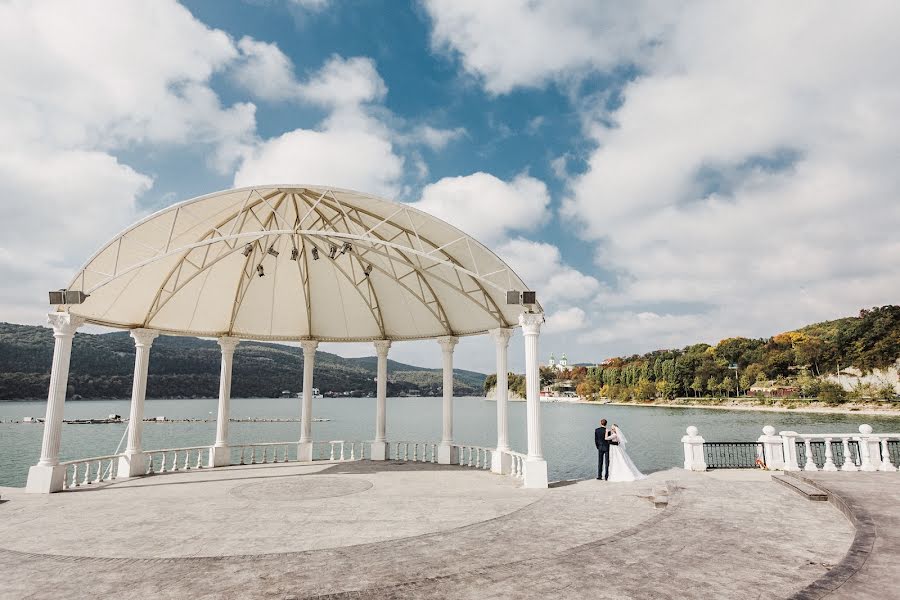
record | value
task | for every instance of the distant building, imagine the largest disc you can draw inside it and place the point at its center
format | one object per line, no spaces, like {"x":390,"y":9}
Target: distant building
{"x":562,"y":365}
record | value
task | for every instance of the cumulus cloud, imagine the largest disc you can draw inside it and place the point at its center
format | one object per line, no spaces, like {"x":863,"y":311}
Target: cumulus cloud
{"x":541,"y":266}
{"x":745,"y":181}
{"x":568,"y":319}
{"x":351,"y":148}
{"x":98,"y":78}
{"x":487,"y":207}
{"x":525,"y":43}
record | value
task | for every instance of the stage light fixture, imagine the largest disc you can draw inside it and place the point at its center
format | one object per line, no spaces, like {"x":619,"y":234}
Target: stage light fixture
{"x":294,"y":253}
{"x":315,"y":253}
{"x":272,"y":251}
{"x":248,"y":248}
{"x":367,"y":270}
{"x":260,"y":270}
{"x":346,"y":248}
{"x":332,"y":252}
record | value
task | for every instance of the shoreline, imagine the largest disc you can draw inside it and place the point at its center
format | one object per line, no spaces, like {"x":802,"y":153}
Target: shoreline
{"x":836,"y":410}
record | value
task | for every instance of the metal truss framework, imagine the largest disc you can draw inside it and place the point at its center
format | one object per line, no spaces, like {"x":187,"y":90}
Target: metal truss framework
{"x":308,"y":221}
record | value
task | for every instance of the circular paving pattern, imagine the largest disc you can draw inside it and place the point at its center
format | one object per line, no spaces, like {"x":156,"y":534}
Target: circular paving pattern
{"x":300,"y":489}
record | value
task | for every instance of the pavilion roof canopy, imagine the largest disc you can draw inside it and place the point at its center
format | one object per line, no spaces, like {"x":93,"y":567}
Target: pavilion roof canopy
{"x":396,"y":272}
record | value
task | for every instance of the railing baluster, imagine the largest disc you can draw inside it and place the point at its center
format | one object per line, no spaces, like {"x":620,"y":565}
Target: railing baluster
{"x":87,"y":474}
{"x":810,"y":463}
{"x":199,"y":459}
{"x":829,"y":462}
{"x":886,"y":464}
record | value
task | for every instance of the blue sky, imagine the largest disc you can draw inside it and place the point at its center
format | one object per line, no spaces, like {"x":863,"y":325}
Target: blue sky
{"x":661,"y":173}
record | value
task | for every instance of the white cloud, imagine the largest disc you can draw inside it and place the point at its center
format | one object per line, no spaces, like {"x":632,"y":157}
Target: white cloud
{"x":435,"y":138}
{"x":108,"y":74}
{"x":351,"y":148}
{"x":525,"y":43}
{"x":95,"y":79}
{"x":341,"y":155}
{"x":568,"y":319}
{"x":345,"y":83}
{"x":542,"y":268}
{"x":488,"y":208}
{"x":746,"y":182}
{"x":265,"y":71}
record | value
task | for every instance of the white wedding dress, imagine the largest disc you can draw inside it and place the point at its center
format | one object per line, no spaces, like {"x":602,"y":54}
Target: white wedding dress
{"x":621,"y":468}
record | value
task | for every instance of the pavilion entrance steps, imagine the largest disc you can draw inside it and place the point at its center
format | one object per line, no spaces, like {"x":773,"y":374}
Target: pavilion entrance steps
{"x":794,"y":483}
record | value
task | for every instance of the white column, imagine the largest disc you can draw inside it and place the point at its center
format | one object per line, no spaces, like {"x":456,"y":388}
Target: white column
{"x":445,"y":450}
{"x":304,"y":448}
{"x":869,"y":449}
{"x":500,"y":461}
{"x":220,"y":453}
{"x":773,"y":448}
{"x":693,"y":450}
{"x":47,"y":475}
{"x":379,"y":445}
{"x":535,"y":465}
{"x":789,"y":450}
{"x":131,"y":464}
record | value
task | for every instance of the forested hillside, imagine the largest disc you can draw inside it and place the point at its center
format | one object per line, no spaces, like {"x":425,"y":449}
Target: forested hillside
{"x":102,"y":367}
{"x":868,"y":341}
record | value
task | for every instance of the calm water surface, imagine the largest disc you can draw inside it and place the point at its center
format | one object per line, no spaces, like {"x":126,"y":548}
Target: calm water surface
{"x":653,"y":432}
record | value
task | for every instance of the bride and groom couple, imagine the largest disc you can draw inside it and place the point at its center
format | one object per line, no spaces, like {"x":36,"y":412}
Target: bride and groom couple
{"x":610,"y":442}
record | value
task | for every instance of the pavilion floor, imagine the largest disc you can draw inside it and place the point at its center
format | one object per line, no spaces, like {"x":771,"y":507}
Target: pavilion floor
{"x":411,"y":530}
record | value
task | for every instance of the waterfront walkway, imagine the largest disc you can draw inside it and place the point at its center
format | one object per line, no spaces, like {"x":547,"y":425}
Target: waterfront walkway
{"x":872,"y":502}
{"x":394,"y":530}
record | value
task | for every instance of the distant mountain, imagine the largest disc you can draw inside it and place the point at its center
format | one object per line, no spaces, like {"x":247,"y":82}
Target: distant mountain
{"x":103,"y":364}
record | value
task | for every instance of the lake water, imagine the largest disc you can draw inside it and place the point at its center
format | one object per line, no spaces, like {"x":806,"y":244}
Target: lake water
{"x":653,"y":432}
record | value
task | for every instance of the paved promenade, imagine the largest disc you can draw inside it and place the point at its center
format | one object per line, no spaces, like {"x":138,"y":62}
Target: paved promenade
{"x":872,"y":501}
{"x":370,"y":530}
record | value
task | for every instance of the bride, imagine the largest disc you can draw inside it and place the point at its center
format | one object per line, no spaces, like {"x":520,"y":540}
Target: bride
{"x":620,"y":466}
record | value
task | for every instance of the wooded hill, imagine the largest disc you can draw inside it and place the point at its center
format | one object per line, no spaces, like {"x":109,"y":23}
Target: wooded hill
{"x":800,"y":357}
{"x":103,"y":364}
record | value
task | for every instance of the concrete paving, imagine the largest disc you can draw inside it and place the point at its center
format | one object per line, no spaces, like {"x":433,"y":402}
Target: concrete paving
{"x":872,"y":502}
{"x":389,"y":530}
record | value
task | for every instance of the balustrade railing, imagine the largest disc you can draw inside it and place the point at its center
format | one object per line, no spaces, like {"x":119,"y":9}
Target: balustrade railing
{"x":88,"y":471}
{"x":170,"y":460}
{"x":339,"y":450}
{"x":792,"y":451}
{"x":415,"y":451}
{"x":517,"y":464}
{"x":264,"y":453}
{"x":473,"y":456}
{"x":828,"y":452}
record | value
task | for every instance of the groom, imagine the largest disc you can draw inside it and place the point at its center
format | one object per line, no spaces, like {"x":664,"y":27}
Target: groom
{"x":603,"y":450}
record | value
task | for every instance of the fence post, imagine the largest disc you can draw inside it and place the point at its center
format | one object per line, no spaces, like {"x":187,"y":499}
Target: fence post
{"x":693,"y":450}
{"x":789,"y":450}
{"x":773,"y":448}
{"x":869,"y":449}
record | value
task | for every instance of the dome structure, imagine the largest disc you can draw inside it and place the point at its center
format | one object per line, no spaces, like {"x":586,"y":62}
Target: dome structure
{"x":296,"y":262}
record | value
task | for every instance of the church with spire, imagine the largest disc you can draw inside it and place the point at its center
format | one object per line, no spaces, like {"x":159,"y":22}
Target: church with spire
{"x":562,"y":365}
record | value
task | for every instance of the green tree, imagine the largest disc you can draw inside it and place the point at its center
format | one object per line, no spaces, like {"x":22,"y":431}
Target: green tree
{"x":712,"y":385}
{"x":697,"y":385}
{"x":745,"y":382}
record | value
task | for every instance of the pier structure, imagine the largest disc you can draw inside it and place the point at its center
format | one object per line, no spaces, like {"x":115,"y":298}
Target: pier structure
{"x":303,"y":264}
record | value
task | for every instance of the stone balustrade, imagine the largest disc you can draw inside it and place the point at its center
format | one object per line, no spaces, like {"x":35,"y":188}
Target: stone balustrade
{"x":87,"y":471}
{"x":793,"y":451}
{"x":264,"y":453}
{"x":415,"y":451}
{"x":474,"y":456}
{"x":175,"y":459}
{"x":517,"y":464}
{"x":339,"y":450}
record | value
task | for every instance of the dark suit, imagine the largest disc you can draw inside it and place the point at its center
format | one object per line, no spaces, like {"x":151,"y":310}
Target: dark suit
{"x":603,"y":452}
